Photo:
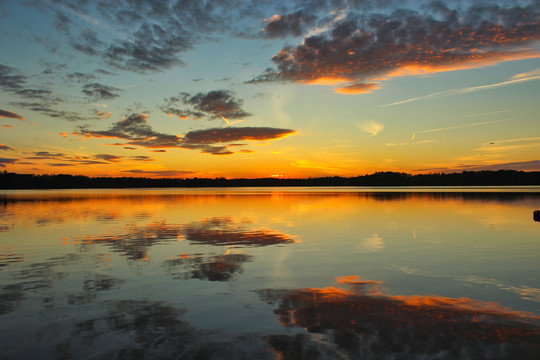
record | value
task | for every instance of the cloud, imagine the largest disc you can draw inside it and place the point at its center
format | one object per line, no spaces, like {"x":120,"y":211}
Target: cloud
{"x":370,"y":127}
{"x":49,"y":110}
{"x":215,"y":104}
{"x":160,"y":173}
{"x":514,"y":80}
{"x":103,"y":114}
{"x":100,"y":92}
{"x":108,"y":157}
{"x":533,"y":165}
{"x":10,"y":79}
{"x":141,"y":158}
{"x":40,"y":100}
{"x":81,"y":77}
{"x":226,"y":231}
{"x":368,"y":47}
{"x":10,"y":115}
{"x":40,"y":155}
{"x":458,"y":126}
{"x":136,"y":130}
{"x":360,"y":88}
{"x":13,"y":82}
{"x":4,"y":161}
{"x":6,"y":148}
{"x":232,"y":134}
{"x":295,"y":24}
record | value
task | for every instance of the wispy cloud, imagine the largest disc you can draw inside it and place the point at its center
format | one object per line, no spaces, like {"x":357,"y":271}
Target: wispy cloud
{"x":371,"y":127}
{"x":467,"y":90}
{"x":458,"y":126}
{"x":411,"y":142}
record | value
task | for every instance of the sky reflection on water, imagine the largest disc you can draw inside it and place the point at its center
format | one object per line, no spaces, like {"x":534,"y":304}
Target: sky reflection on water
{"x":252,"y":273}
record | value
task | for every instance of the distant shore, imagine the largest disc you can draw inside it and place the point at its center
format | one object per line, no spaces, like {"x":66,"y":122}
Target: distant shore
{"x":10,"y":181}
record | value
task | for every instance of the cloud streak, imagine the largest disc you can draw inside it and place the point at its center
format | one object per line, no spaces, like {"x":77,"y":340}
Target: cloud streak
{"x":467,"y":90}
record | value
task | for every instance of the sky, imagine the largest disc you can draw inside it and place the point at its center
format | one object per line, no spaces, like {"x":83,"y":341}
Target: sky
{"x":269,"y":88}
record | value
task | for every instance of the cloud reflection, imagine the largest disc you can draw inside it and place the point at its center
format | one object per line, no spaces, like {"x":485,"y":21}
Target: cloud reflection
{"x":212,"y":268}
{"x":133,"y":241}
{"x":363,"y":322}
{"x":223,"y":231}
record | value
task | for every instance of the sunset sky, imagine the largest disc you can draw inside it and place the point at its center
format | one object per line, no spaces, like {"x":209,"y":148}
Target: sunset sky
{"x":233,"y":88}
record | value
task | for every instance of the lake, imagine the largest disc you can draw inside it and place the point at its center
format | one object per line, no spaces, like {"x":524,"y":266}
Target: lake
{"x":270,"y":273}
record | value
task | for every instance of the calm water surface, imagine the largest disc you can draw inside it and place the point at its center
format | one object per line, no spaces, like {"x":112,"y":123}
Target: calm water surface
{"x":299,"y":273}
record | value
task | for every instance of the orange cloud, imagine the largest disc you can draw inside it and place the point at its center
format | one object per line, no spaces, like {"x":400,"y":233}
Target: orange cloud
{"x":360,"y":88}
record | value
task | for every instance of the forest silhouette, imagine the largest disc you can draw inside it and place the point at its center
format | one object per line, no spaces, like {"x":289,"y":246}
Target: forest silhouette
{"x":465,"y":178}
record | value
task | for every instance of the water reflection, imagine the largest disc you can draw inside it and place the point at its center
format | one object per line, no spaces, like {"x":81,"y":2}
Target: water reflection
{"x":8,"y":257}
{"x":212,"y":268}
{"x":163,"y":274}
{"x":362,"y":322}
{"x":225,"y":231}
{"x":133,"y":241}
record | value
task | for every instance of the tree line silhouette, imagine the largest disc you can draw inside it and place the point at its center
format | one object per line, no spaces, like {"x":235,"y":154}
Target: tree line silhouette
{"x":465,"y":178}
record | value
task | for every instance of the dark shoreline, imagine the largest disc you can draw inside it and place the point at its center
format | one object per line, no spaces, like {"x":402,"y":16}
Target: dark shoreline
{"x":11,"y":181}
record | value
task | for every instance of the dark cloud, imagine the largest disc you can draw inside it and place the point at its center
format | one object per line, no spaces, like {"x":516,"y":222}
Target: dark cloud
{"x":40,"y":94}
{"x":215,"y":104}
{"x":4,"y":161}
{"x":153,"y":35}
{"x":100,"y":92}
{"x":10,"y":79}
{"x":40,"y":155}
{"x":136,"y":130}
{"x":105,"y":72}
{"x":88,"y":43}
{"x":60,"y":164}
{"x":49,"y":110}
{"x":51,"y":68}
{"x":6,"y":148}
{"x":72,"y":160}
{"x":295,"y":24}
{"x":108,"y":157}
{"x":231,"y":134}
{"x":62,"y":22}
{"x":159,"y":173}
{"x":10,"y":115}
{"x":363,"y":47}
{"x":81,"y":77}
{"x":40,"y":100}
{"x":142,"y":158}
{"x":153,"y":48}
